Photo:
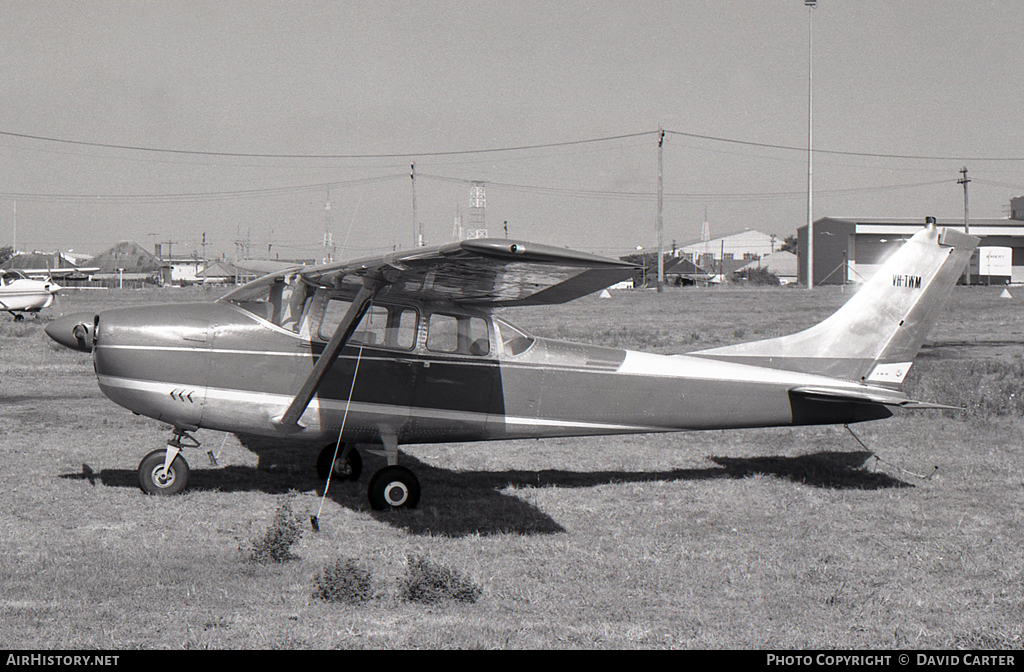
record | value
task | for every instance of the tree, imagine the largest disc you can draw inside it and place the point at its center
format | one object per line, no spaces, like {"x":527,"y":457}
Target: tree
{"x":789,"y":244}
{"x":6,"y":252}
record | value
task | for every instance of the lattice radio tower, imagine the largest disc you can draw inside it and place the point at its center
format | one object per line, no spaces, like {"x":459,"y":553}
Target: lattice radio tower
{"x":477,"y":211}
{"x":328,"y":234}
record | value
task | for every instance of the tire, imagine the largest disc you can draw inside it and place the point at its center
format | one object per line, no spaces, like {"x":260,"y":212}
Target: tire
{"x":350,"y":469}
{"x":153,"y":481}
{"x":394,"y":487}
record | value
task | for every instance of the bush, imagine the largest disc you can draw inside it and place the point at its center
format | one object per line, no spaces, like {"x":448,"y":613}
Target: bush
{"x":276,"y":544}
{"x":429,"y":583}
{"x":344,"y":580}
{"x":759,"y":276}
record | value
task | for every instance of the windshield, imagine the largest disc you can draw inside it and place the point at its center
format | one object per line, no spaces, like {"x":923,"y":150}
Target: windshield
{"x":279,"y":299}
{"x":11,"y":276}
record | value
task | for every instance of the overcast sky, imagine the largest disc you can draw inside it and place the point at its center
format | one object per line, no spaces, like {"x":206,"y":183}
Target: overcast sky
{"x":162,"y":121}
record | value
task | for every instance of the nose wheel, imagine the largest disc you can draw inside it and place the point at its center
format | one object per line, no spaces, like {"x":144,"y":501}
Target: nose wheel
{"x":158,"y":478}
{"x":165,"y":472}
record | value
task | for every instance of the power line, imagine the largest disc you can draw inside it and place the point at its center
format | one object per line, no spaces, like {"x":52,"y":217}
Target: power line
{"x":843,"y":153}
{"x":636,"y":196}
{"x":513,"y":148}
{"x":696,"y":197}
{"x":193,"y":197}
{"x":253,"y":155}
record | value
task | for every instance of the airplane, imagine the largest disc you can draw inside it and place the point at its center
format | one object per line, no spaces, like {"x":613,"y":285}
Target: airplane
{"x":20,"y":294}
{"x":407,"y":348}
{"x":47,"y":266}
{"x":49,"y":273}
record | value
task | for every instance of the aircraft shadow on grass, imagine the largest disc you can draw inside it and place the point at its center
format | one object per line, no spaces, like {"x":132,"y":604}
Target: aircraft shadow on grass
{"x":461,"y":503}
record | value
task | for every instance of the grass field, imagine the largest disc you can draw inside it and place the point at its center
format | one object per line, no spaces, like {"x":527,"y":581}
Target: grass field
{"x":746,"y":539}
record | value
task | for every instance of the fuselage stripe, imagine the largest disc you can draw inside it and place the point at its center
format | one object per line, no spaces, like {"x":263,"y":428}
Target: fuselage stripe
{"x":268,"y":399}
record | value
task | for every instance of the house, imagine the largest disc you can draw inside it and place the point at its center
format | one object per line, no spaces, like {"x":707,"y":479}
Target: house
{"x":744,"y":246}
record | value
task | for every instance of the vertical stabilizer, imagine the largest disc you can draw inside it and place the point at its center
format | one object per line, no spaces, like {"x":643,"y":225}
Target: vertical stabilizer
{"x":875,"y":336}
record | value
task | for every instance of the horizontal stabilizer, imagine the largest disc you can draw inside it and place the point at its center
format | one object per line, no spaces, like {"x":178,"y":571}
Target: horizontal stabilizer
{"x":872,"y":395}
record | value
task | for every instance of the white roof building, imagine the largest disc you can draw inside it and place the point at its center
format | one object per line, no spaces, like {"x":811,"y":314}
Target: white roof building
{"x":747,"y":244}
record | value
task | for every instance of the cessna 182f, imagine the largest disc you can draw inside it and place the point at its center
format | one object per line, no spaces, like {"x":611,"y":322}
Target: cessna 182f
{"x":20,"y":294}
{"x":406,"y":348}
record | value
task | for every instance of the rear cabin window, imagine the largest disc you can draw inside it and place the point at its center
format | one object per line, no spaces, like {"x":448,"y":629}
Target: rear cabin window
{"x":513,"y":341}
{"x":458,"y":334}
{"x":382,"y":326}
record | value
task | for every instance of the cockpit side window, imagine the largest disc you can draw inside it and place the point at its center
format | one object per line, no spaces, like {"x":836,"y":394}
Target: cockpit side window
{"x":382,"y":326}
{"x":458,"y":334}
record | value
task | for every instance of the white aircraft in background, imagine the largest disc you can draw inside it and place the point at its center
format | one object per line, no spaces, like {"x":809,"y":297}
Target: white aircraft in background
{"x":20,"y":294}
{"x":50,"y":273}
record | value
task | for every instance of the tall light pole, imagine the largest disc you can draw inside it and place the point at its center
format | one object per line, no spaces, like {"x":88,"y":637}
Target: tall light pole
{"x":661,"y":189}
{"x":811,"y":4}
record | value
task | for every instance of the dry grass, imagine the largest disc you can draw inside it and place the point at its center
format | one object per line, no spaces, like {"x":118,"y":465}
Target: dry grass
{"x":749,"y":539}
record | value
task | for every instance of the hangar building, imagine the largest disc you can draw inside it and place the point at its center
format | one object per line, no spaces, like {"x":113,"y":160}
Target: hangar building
{"x":852,"y":249}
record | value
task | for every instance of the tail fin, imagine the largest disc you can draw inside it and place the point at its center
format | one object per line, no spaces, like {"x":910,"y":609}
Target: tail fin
{"x":875,"y":336}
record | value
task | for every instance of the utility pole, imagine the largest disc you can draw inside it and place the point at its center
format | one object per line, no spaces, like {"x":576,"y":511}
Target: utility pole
{"x":967,"y":221}
{"x":811,"y":4}
{"x":412,"y":174}
{"x":964,"y":181}
{"x":661,"y":188}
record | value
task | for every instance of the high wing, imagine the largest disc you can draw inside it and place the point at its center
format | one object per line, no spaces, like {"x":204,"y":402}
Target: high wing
{"x":485,"y":271}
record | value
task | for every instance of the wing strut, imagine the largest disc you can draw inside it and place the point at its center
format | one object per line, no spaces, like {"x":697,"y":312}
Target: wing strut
{"x":341,"y":336}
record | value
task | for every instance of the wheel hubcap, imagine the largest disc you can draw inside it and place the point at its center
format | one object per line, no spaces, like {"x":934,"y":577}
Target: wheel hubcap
{"x":395,"y":493}
{"x":342,"y":467}
{"x":163,"y":478}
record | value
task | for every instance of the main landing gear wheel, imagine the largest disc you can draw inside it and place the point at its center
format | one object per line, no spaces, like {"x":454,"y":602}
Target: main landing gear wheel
{"x":349,"y":468}
{"x":394,"y":487}
{"x":154,"y":479}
